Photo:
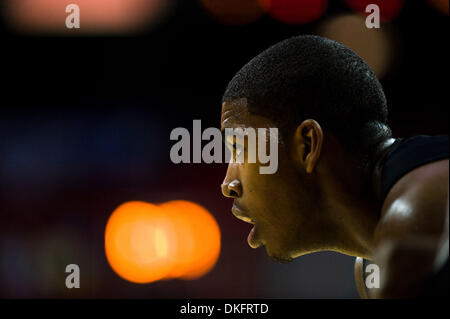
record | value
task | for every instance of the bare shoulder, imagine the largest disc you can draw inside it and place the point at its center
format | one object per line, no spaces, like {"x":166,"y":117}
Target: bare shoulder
{"x":416,"y":205}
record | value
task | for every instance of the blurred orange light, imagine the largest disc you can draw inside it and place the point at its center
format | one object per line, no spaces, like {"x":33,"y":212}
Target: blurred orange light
{"x":95,"y":15}
{"x":233,"y":12}
{"x":139,"y":242}
{"x":295,"y":11}
{"x":198,"y":240}
{"x":146,"y":242}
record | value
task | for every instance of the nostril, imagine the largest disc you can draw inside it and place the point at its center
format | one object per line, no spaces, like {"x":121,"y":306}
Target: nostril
{"x":226,"y":191}
{"x":232,"y":189}
{"x":233,"y":193}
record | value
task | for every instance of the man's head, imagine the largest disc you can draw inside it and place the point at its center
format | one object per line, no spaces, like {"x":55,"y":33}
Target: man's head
{"x":328,"y":106}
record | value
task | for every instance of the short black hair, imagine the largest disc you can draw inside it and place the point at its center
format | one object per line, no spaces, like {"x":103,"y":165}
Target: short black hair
{"x":313,"y":77}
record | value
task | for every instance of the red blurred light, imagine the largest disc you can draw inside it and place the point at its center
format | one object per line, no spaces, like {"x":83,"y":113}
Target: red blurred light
{"x":295,"y":11}
{"x":95,"y":15}
{"x":233,"y":12}
{"x":389,"y":9}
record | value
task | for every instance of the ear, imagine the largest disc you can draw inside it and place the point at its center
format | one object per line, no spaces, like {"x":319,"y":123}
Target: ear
{"x":307,"y":144}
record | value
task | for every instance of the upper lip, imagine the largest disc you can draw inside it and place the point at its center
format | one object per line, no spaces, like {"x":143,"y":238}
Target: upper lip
{"x":240,"y":214}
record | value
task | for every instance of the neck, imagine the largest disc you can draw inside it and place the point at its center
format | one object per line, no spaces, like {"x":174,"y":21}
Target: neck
{"x":375,"y":170}
{"x":352,"y":201}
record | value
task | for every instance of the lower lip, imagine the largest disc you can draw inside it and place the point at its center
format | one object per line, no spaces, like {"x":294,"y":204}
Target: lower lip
{"x":252,"y":242}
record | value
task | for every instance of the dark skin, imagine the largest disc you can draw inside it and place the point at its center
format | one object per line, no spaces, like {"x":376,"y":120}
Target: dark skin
{"x":412,"y":230}
{"x":319,"y":200}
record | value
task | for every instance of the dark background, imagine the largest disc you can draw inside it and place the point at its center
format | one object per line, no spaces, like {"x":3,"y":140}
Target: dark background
{"x":85,"y":124}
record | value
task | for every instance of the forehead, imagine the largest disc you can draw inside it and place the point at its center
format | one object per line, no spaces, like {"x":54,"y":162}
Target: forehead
{"x":236,"y":114}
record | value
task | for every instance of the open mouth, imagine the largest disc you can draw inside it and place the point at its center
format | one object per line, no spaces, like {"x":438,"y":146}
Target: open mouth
{"x":242,"y":215}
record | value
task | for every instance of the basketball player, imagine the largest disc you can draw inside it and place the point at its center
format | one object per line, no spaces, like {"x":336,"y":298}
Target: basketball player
{"x":343,"y":182}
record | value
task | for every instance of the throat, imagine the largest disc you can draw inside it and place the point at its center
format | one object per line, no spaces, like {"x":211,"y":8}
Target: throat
{"x":356,"y":224}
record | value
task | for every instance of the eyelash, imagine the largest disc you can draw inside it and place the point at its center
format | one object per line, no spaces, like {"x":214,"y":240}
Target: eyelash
{"x":234,"y":145}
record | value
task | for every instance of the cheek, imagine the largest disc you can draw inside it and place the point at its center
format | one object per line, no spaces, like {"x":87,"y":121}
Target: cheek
{"x":255,"y":184}
{"x":261,"y":193}
{"x":271,"y":197}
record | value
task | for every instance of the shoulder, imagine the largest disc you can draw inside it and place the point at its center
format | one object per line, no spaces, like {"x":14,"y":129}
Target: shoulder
{"x":416,"y":205}
{"x":412,"y":222}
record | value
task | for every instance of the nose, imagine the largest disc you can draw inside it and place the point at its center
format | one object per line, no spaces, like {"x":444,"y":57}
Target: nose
{"x":232,"y":189}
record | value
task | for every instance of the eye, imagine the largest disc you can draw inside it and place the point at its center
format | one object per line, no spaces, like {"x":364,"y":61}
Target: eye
{"x":231,"y":143}
{"x":234,"y":146}
{"x":237,"y":150}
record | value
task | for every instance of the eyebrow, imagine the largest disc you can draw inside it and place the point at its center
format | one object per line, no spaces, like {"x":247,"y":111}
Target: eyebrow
{"x":226,"y":117}
{"x":223,"y":124}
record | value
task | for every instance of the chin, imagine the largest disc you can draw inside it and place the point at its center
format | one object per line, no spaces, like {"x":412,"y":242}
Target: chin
{"x":279,"y":257}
